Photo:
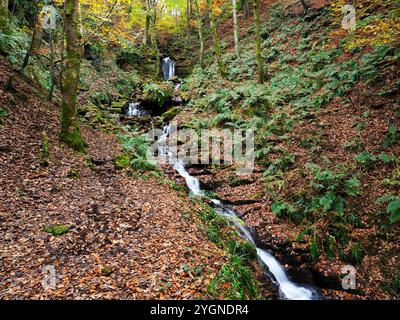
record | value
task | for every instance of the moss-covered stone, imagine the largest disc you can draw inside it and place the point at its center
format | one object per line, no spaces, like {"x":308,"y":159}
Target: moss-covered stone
{"x":107,"y":271}
{"x":122,"y":161}
{"x":170,"y":114}
{"x":56,"y":230}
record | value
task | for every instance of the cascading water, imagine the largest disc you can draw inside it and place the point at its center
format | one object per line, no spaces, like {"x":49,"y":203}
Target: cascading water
{"x":288,"y":289}
{"x":178,"y":86}
{"x":168,"y":68}
{"x":134,"y":110}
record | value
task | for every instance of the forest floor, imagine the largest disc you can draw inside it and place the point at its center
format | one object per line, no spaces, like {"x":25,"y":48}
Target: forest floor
{"x":126,"y":238}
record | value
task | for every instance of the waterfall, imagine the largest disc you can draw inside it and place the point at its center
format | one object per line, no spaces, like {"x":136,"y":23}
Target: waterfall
{"x":168,"y":68}
{"x":134,"y":110}
{"x":287,"y":288}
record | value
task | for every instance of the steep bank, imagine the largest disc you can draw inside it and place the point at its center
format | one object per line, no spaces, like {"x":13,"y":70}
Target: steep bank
{"x":326,"y":187}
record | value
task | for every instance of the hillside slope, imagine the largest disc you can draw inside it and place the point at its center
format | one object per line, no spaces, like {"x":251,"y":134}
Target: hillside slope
{"x":327,"y":144}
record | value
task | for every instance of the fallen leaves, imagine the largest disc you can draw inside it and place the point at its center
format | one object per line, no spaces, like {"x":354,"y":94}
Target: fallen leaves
{"x":126,"y":237}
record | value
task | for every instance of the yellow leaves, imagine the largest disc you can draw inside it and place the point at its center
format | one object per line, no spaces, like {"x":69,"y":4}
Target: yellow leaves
{"x":378,"y":32}
{"x":378,"y":22}
{"x":217,"y":11}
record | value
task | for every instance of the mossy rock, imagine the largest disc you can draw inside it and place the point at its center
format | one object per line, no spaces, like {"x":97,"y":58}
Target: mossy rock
{"x":171,"y":114}
{"x":122,"y":161}
{"x":106,"y":271}
{"x":56,"y":230}
{"x":117,"y":106}
{"x":157,"y":94}
{"x":187,"y":126}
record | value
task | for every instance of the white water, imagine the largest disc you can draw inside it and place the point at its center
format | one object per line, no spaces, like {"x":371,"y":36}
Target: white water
{"x":178,"y":86}
{"x":168,"y":68}
{"x":288,"y":289}
{"x":134,"y":110}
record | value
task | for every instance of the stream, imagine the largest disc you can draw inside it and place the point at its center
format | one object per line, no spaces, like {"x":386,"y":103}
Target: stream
{"x":273,"y":269}
{"x":287,"y":289}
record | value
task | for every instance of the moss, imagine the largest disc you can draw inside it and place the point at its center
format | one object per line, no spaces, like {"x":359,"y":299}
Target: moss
{"x":3,"y":16}
{"x":92,"y":166}
{"x":170,"y":114}
{"x":173,"y":184}
{"x":107,"y":271}
{"x":3,"y":114}
{"x":142,"y":164}
{"x":122,"y":161}
{"x":74,"y":140}
{"x":57,"y":230}
{"x":69,"y":7}
{"x":235,"y":280}
{"x":117,"y":106}
{"x":235,"y":182}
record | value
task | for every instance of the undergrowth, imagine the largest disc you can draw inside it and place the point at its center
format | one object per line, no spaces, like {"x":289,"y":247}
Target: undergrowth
{"x":235,"y":280}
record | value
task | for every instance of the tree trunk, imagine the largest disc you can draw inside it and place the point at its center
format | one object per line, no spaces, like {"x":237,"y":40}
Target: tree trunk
{"x":36,"y":40}
{"x":188,"y":14}
{"x":260,"y":62}
{"x":70,"y":131}
{"x":146,"y":29}
{"x":245,"y":8}
{"x":62,"y":49}
{"x":200,"y":30}
{"x":235,"y":28}
{"x":53,"y":40}
{"x":217,"y":48}
{"x":154,"y":41}
{"x":3,"y":14}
